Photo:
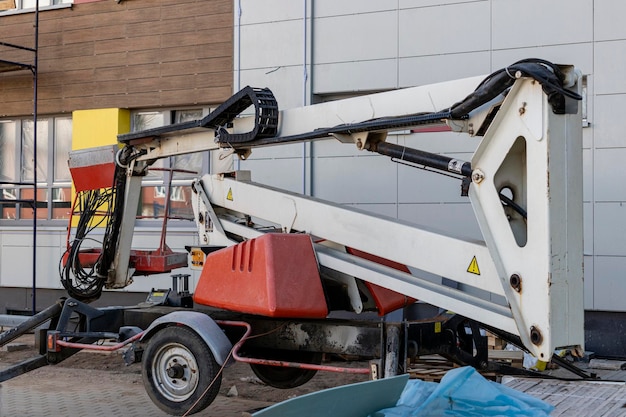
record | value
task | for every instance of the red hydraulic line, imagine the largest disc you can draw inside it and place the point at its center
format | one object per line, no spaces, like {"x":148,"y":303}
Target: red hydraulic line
{"x":87,"y":346}
{"x":284,"y":364}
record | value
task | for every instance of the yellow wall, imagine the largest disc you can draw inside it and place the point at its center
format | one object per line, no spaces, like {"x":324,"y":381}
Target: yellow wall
{"x":98,"y":127}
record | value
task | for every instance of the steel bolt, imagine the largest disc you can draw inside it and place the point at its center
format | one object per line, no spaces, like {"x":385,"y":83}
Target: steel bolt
{"x":477,"y":176}
{"x":522,"y":109}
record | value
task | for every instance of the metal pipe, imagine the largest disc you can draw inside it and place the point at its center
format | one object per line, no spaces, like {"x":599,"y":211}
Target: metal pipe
{"x":23,"y":367}
{"x":237,"y":61}
{"x":304,"y":94}
{"x":35,"y":116}
{"x":111,"y":348}
{"x":431,"y":160}
{"x":32,"y":322}
{"x":12,"y":320}
{"x":284,"y":364}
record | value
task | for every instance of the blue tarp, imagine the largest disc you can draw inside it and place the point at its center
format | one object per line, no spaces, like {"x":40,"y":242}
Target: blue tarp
{"x":463,"y":392}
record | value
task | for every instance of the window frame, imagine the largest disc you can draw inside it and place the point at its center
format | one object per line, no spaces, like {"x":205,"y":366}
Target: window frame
{"x":47,"y":186}
{"x":161,"y":179}
{"x":53,"y":5}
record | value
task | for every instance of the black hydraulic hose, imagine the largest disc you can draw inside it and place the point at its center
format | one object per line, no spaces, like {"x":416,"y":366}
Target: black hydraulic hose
{"x":519,"y":209}
{"x":547,"y":74}
{"x":431,"y":160}
{"x":109,"y":245}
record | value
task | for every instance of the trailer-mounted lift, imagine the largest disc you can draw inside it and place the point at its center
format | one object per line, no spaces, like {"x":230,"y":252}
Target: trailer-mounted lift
{"x":286,"y":277}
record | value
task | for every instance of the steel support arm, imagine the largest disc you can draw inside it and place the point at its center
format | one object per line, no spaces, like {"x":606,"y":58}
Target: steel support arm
{"x":530,"y":259}
{"x":533,"y":258}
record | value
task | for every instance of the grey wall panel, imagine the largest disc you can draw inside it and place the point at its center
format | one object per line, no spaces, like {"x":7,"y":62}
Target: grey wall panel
{"x":538,"y":22}
{"x":609,"y":230}
{"x":270,"y":11}
{"x":587,"y":175}
{"x":442,"y":142}
{"x":341,"y":77}
{"x":444,"y":30}
{"x":453,"y":219}
{"x":17,"y":246}
{"x":609,"y":172}
{"x":389,"y":210}
{"x":610,"y":67}
{"x":18,"y":274}
{"x":437,"y":68}
{"x":606,"y":24}
{"x":295,"y":150}
{"x":359,"y":179}
{"x":590,"y":101}
{"x":409,"y":4}
{"x":579,"y":54}
{"x":610,"y":124}
{"x":588,"y":293}
{"x":286,"y":173}
{"x":358,"y":37}
{"x":287,"y":83}
{"x":419,"y":186}
{"x":326,"y":8}
{"x":609,"y":296}
{"x":332,"y":148}
{"x":277,"y":44}
{"x":588,"y":135}
{"x":588,"y":211}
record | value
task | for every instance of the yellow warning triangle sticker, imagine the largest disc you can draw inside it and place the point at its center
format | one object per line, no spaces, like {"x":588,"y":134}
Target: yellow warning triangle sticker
{"x":473,"y":267}
{"x":229,"y":196}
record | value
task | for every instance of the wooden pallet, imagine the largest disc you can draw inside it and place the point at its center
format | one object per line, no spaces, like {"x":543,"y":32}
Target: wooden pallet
{"x":429,"y":368}
{"x":494,"y":342}
{"x":427,"y":374}
{"x":515,"y":358}
{"x":432,"y":368}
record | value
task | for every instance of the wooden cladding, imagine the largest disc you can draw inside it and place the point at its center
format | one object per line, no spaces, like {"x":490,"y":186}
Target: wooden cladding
{"x":133,"y":54}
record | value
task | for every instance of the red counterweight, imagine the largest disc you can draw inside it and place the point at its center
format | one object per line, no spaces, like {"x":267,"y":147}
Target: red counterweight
{"x":275,"y":275}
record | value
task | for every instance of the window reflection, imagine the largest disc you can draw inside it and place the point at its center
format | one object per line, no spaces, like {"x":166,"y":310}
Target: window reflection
{"x":153,"y":199}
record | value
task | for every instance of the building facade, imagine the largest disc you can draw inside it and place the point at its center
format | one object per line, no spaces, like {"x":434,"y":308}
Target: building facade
{"x":151,"y":62}
{"x":312,"y":51}
{"x":104,"y":68}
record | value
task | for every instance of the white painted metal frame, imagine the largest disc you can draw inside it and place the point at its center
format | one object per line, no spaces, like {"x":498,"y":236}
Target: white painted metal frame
{"x":536,"y":263}
{"x":538,"y":155}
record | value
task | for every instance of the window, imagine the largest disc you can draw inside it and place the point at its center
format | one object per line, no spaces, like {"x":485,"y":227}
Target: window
{"x":18,"y":170}
{"x":29,"y":5}
{"x":181,"y":168}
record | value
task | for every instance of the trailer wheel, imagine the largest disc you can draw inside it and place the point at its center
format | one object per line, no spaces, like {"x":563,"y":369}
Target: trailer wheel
{"x":180,"y":373}
{"x":287,"y":377}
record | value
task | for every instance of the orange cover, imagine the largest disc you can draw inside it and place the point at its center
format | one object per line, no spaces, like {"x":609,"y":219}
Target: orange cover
{"x":386,"y":300}
{"x":275,"y":275}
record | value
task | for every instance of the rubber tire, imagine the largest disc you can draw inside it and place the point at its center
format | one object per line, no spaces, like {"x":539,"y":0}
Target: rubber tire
{"x":172,"y":342}
{"x":283,"y":377}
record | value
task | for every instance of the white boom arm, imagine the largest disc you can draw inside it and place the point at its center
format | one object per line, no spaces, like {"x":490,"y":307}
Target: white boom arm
{"x":529,"y":265}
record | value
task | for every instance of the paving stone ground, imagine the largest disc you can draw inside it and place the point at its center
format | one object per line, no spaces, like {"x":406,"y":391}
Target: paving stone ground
{"x":56,"y":391}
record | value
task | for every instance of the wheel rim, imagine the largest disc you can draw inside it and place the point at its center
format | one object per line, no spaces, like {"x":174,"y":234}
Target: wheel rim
{"x":175,"y":372}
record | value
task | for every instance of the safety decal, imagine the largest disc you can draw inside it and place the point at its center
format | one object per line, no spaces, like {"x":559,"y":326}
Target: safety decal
{"x":473,"y":267}
{"x":229,"y":196}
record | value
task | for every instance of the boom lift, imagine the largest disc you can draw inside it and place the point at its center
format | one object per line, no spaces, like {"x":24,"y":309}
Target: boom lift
{"x":285,"y":265}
